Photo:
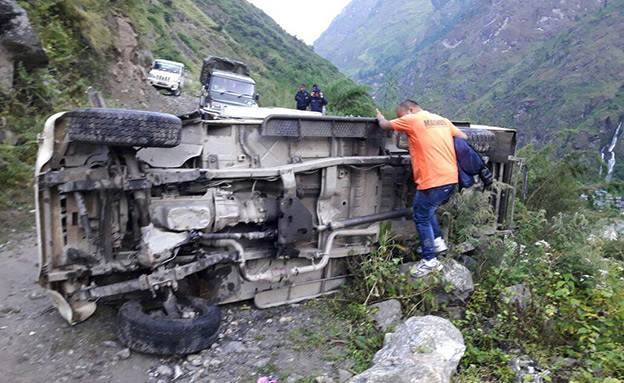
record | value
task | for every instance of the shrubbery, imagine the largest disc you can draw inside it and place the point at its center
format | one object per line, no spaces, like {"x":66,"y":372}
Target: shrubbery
{"x":572,"y":320}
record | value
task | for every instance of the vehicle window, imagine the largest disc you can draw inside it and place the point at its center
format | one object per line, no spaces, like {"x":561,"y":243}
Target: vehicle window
{"x":167,"y":67}
{"x":220,"y":84}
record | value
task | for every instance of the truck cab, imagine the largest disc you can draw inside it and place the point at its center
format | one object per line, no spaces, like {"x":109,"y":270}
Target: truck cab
{"x":225,"y":83}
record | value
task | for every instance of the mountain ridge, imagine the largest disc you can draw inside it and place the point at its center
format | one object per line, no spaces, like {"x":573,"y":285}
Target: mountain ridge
{"x":551,"y":69}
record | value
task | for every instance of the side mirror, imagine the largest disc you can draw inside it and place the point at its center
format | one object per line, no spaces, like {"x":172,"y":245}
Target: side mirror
{"x":256,"y":97}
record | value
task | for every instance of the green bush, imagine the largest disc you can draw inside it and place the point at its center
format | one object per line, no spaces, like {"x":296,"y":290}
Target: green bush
{"x":575,"y":280}
{"x":348,"y":99}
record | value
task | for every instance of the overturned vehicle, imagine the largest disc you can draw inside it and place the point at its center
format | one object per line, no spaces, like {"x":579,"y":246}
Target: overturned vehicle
{"x":179,"y":214}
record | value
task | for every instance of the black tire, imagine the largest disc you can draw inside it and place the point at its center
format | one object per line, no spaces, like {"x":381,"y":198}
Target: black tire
{"x":480,"y":140}
{"x":143,"y":332}
{"x":121,"y":127}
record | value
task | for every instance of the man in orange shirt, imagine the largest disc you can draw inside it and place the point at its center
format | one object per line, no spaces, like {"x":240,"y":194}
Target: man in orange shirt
{"x":434,"y":164}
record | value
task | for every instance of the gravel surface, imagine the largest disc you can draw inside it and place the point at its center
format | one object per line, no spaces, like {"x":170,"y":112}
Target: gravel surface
{"x":39,"y":346}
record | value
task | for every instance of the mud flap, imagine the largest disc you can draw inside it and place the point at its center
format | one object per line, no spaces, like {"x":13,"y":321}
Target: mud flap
{"x":77,"y":313}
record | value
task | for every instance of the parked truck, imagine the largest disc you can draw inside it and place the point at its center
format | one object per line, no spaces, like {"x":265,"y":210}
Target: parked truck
{"x":169,"y":75}
{"x":228,"y":92}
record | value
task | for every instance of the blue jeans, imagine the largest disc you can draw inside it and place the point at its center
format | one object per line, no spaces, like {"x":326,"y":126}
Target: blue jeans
{"x":426,"y":203}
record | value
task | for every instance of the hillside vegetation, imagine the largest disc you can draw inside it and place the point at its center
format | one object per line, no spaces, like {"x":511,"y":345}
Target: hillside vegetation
{"x":108,"y":45}
{"x":554,"y":70}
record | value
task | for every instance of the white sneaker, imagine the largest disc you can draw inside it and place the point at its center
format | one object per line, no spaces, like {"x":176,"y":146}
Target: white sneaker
{"x":425,"y":267}
{"x":439,"y":246}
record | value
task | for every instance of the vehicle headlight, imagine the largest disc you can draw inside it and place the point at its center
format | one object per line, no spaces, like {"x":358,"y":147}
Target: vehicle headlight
{"x":217,"y":106}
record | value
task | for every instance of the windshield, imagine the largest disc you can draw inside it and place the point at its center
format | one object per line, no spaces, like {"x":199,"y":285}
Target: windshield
{"x":226,"y":85}
{"x":167,"y":67}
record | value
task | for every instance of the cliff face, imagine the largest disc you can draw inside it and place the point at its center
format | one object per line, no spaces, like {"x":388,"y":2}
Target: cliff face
{"x":18,"y":43}
{"x":552,"y":69}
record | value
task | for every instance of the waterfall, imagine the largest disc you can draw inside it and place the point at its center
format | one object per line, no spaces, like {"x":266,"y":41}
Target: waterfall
{"x":607,"y":152}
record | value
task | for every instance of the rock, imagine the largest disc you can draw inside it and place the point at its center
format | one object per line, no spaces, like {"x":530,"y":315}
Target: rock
{"x":192,"y":357}
{"x":7,"y":137}
{"x":465,"y":248}
{"x":234,"y":346}
{"x":18,"y":43}
{"x":164,"y":370}
{"x":455,"y":312}
{"x":518,"y":296}
{"x":283,"y":320}
{"x":196,"y":362}
{"x":213,"y":363}
{"x":11,"y":310}
{"x":177,"y":372}
{"x":262,"y":362}
{"x":469,"y":262}
{"x":423,"y":349}
{"x":344,"y":375}
{"x":460,"y":279}
{"x":293,"y":378}
{"x":527,"y":371}
{"x":109,"y":343}
{"x":386,"y":313}
{"x":453,"y":275}
{"x":123,"y":354}
{"x":35,"y":295}
{"x":323,"y":379}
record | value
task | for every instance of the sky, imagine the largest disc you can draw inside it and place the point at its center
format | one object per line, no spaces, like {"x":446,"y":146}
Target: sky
{"x":302,"y":18}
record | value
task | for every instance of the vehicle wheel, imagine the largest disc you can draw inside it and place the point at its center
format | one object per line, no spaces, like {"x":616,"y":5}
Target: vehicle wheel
{"x":481,"y":140}
{"x":121,"y":127}
{"x":142,"y":325}
{"x":177,"y":92}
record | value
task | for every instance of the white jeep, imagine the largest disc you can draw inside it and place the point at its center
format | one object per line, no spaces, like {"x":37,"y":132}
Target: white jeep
{"x":165,"y":74}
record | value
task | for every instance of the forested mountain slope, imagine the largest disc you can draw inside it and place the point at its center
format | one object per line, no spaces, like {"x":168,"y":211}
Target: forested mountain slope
{"x":77,"y":31}
{"x":552,"y":69}
{"x":109,"y":44}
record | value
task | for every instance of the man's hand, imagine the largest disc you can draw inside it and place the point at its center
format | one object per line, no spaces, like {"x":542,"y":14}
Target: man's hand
{"x":379,"y":115}
{"x":460,"y":134}
{"x":383,"y":123}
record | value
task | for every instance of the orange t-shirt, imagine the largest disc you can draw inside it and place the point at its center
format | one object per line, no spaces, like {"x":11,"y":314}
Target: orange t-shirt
{"x":431,"y":147}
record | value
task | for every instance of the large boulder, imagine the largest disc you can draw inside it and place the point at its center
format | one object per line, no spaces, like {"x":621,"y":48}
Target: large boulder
{"x":423,"y":349}
{"x":18,"y":42}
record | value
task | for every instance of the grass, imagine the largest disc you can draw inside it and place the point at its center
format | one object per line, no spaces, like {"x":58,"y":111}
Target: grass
{"x":80,"y":43}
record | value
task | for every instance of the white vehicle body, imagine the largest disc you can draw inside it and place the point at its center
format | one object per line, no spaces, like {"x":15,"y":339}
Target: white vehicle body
{"x":166,"y":74}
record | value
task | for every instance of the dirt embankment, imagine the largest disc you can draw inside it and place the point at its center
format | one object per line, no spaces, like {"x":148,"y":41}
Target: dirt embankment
{"x":127,"y":86}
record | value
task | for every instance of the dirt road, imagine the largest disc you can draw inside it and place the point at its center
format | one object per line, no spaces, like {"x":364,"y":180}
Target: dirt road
{"x":39,"y":346}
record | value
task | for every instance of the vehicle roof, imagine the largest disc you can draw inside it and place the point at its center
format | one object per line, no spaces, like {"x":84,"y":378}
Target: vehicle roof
{"x":233,"y":76}
{"x":169,"y":62}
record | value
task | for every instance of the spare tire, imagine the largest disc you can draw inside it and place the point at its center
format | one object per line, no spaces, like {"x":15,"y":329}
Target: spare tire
{"x":480,"y":140}
{"x":139,"y":329}
{"x":122,"y":127}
